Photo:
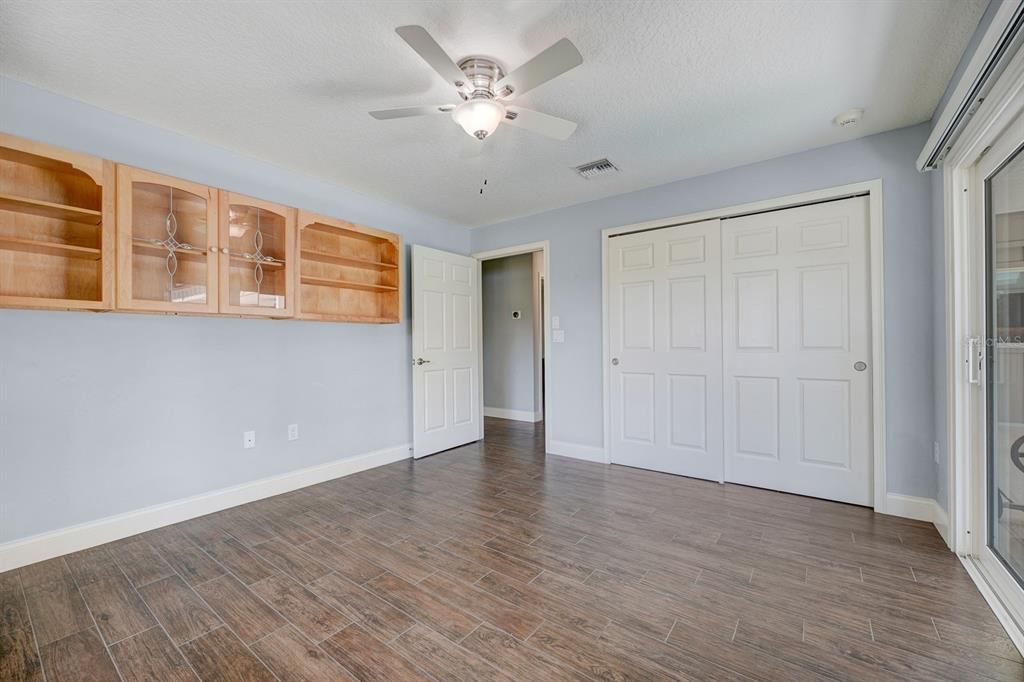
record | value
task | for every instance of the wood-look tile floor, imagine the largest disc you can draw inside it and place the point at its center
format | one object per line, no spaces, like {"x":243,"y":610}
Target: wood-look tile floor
{"x":494,"y":562}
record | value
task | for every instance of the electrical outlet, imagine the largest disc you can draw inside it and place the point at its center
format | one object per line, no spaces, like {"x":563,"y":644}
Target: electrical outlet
{"x":249,"y":439}
{"x":558,"y":336}
{"x":293,"y":432}
{"x":936,"y":451}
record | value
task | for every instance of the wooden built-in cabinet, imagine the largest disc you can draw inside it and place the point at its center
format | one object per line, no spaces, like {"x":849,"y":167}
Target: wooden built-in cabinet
{"x":56,"y":227}
{"x":348,"y":272}
{"x":167,"y":243}
{"x":257,"y":257}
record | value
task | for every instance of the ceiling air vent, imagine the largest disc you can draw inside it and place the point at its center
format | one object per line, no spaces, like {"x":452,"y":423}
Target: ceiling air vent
{"x":596,"y":168}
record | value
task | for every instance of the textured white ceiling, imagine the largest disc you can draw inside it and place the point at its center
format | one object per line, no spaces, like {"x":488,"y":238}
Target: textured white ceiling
{"x":667,"y":89}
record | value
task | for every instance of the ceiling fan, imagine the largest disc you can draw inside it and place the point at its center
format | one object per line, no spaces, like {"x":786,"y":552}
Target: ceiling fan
{"x":486,"y":90}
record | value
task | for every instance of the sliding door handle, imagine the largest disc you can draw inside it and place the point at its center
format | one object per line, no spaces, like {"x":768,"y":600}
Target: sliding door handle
{"x":974,"y":359}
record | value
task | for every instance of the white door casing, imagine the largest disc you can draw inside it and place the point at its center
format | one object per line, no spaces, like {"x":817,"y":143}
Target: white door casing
{"x":797,"y":350}
{"x":665,"y":380}
{"x":445,"y":348}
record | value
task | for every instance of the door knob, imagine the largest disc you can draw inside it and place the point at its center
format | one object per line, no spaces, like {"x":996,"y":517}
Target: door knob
{"x":421,"y":361}
{"x":615,"y":361}
{"x":860,"y":366}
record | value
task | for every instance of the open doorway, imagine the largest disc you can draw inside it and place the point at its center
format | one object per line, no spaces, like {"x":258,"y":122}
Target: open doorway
{"x":514,"y":310}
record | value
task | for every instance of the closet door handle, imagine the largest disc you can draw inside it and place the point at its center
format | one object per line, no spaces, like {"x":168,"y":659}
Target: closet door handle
{"x":615,"y":362}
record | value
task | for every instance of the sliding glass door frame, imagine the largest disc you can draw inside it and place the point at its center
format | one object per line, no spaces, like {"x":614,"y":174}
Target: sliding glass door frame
{"x":1006,"y":585}
{"x":991,"y":137}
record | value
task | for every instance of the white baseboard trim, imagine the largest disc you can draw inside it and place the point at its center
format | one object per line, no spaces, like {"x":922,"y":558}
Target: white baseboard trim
{"x":589,"y":453}
{"x":516,"y":415}
{"x":74,"y":538}
{"x":920,"y":509}
{"x":910,"y":507}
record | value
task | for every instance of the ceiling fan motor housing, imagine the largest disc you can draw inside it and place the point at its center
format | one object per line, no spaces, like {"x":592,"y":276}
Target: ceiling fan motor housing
{"x":481,"y":75}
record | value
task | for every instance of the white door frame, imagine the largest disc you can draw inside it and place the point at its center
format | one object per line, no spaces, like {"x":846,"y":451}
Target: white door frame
{"x":967,"y":534}
{"x":872,"y":188}
{"x":545,"y":248}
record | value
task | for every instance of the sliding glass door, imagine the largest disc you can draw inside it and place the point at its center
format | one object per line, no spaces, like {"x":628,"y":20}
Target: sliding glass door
{"x":1004,"y":362}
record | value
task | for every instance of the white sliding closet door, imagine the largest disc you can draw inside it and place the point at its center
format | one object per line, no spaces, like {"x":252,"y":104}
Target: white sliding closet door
{"x":666,"y":350}
{"x":797,"y":350}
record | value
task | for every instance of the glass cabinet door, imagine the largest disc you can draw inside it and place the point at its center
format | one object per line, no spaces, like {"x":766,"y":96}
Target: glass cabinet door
{"x":256,"y":256}
{"x":167,"y":240}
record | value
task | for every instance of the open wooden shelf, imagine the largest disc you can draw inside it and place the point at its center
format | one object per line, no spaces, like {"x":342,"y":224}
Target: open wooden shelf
{"x":346,"y":284}
{"x":48,"y":209}
{"x":57,"y":244}
{"x":349,"y":230}
{"x":347,"y":260}
{"x":50,"y":248}
{"x":348,"y":272}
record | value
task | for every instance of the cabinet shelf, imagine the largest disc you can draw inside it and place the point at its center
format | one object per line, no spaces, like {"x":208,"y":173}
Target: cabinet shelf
{"x":349,"y":232}
{"x":333,"y":259}
{"x":143,"y":247}
{"x":50,"y":248}
{"x":47,"y":209}
{"x":346,"y":284}
{"x":237,"y":259}
{"x":29,"y":159}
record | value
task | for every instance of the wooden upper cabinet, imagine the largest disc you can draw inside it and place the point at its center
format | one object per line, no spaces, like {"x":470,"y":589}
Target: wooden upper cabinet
{"x":56,"y":227}
{"x":79,"y":232}
{"x":257,"y":257}
{"x":167,"y":243}
{"x":348,"y":272}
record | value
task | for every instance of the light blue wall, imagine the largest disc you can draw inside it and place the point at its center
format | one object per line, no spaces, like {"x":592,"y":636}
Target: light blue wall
{"x":575,"y":394}
{"x":106,"y":413}
{"x":508,"y":343}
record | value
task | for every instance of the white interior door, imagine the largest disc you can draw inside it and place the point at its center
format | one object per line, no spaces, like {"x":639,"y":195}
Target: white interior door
{"x":445,"y":347}
{"x":666,"y":350}
{"x":797,"y":337}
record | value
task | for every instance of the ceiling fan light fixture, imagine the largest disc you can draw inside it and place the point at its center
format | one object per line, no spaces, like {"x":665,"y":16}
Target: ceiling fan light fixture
{"x":479,"y":117}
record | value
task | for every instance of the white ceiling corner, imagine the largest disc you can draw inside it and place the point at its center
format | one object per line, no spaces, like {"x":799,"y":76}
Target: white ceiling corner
{"x":667,"y":89}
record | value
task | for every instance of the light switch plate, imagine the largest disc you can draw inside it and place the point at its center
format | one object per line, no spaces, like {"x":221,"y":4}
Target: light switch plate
{"x":249,"y":439}
{"x":556,"y":322}
{"x":558,"y":336}
{"x":293,"y":432}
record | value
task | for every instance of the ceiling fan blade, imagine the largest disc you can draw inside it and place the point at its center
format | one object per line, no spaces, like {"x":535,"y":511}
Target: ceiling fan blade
{"x":536,"y":122}
{"x":432,"y":53}
{"x":552,"y":62}
{"x":406,"y":112}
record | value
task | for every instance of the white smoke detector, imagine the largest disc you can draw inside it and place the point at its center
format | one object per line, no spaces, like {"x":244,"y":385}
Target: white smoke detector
{"x":848,"y":118}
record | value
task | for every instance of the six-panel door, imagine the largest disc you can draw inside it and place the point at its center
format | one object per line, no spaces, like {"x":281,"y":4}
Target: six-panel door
{"x":167,"y":243}
{"x":797,"y":350}
{"x":666,"y":350}
{"x":446,"y":350}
